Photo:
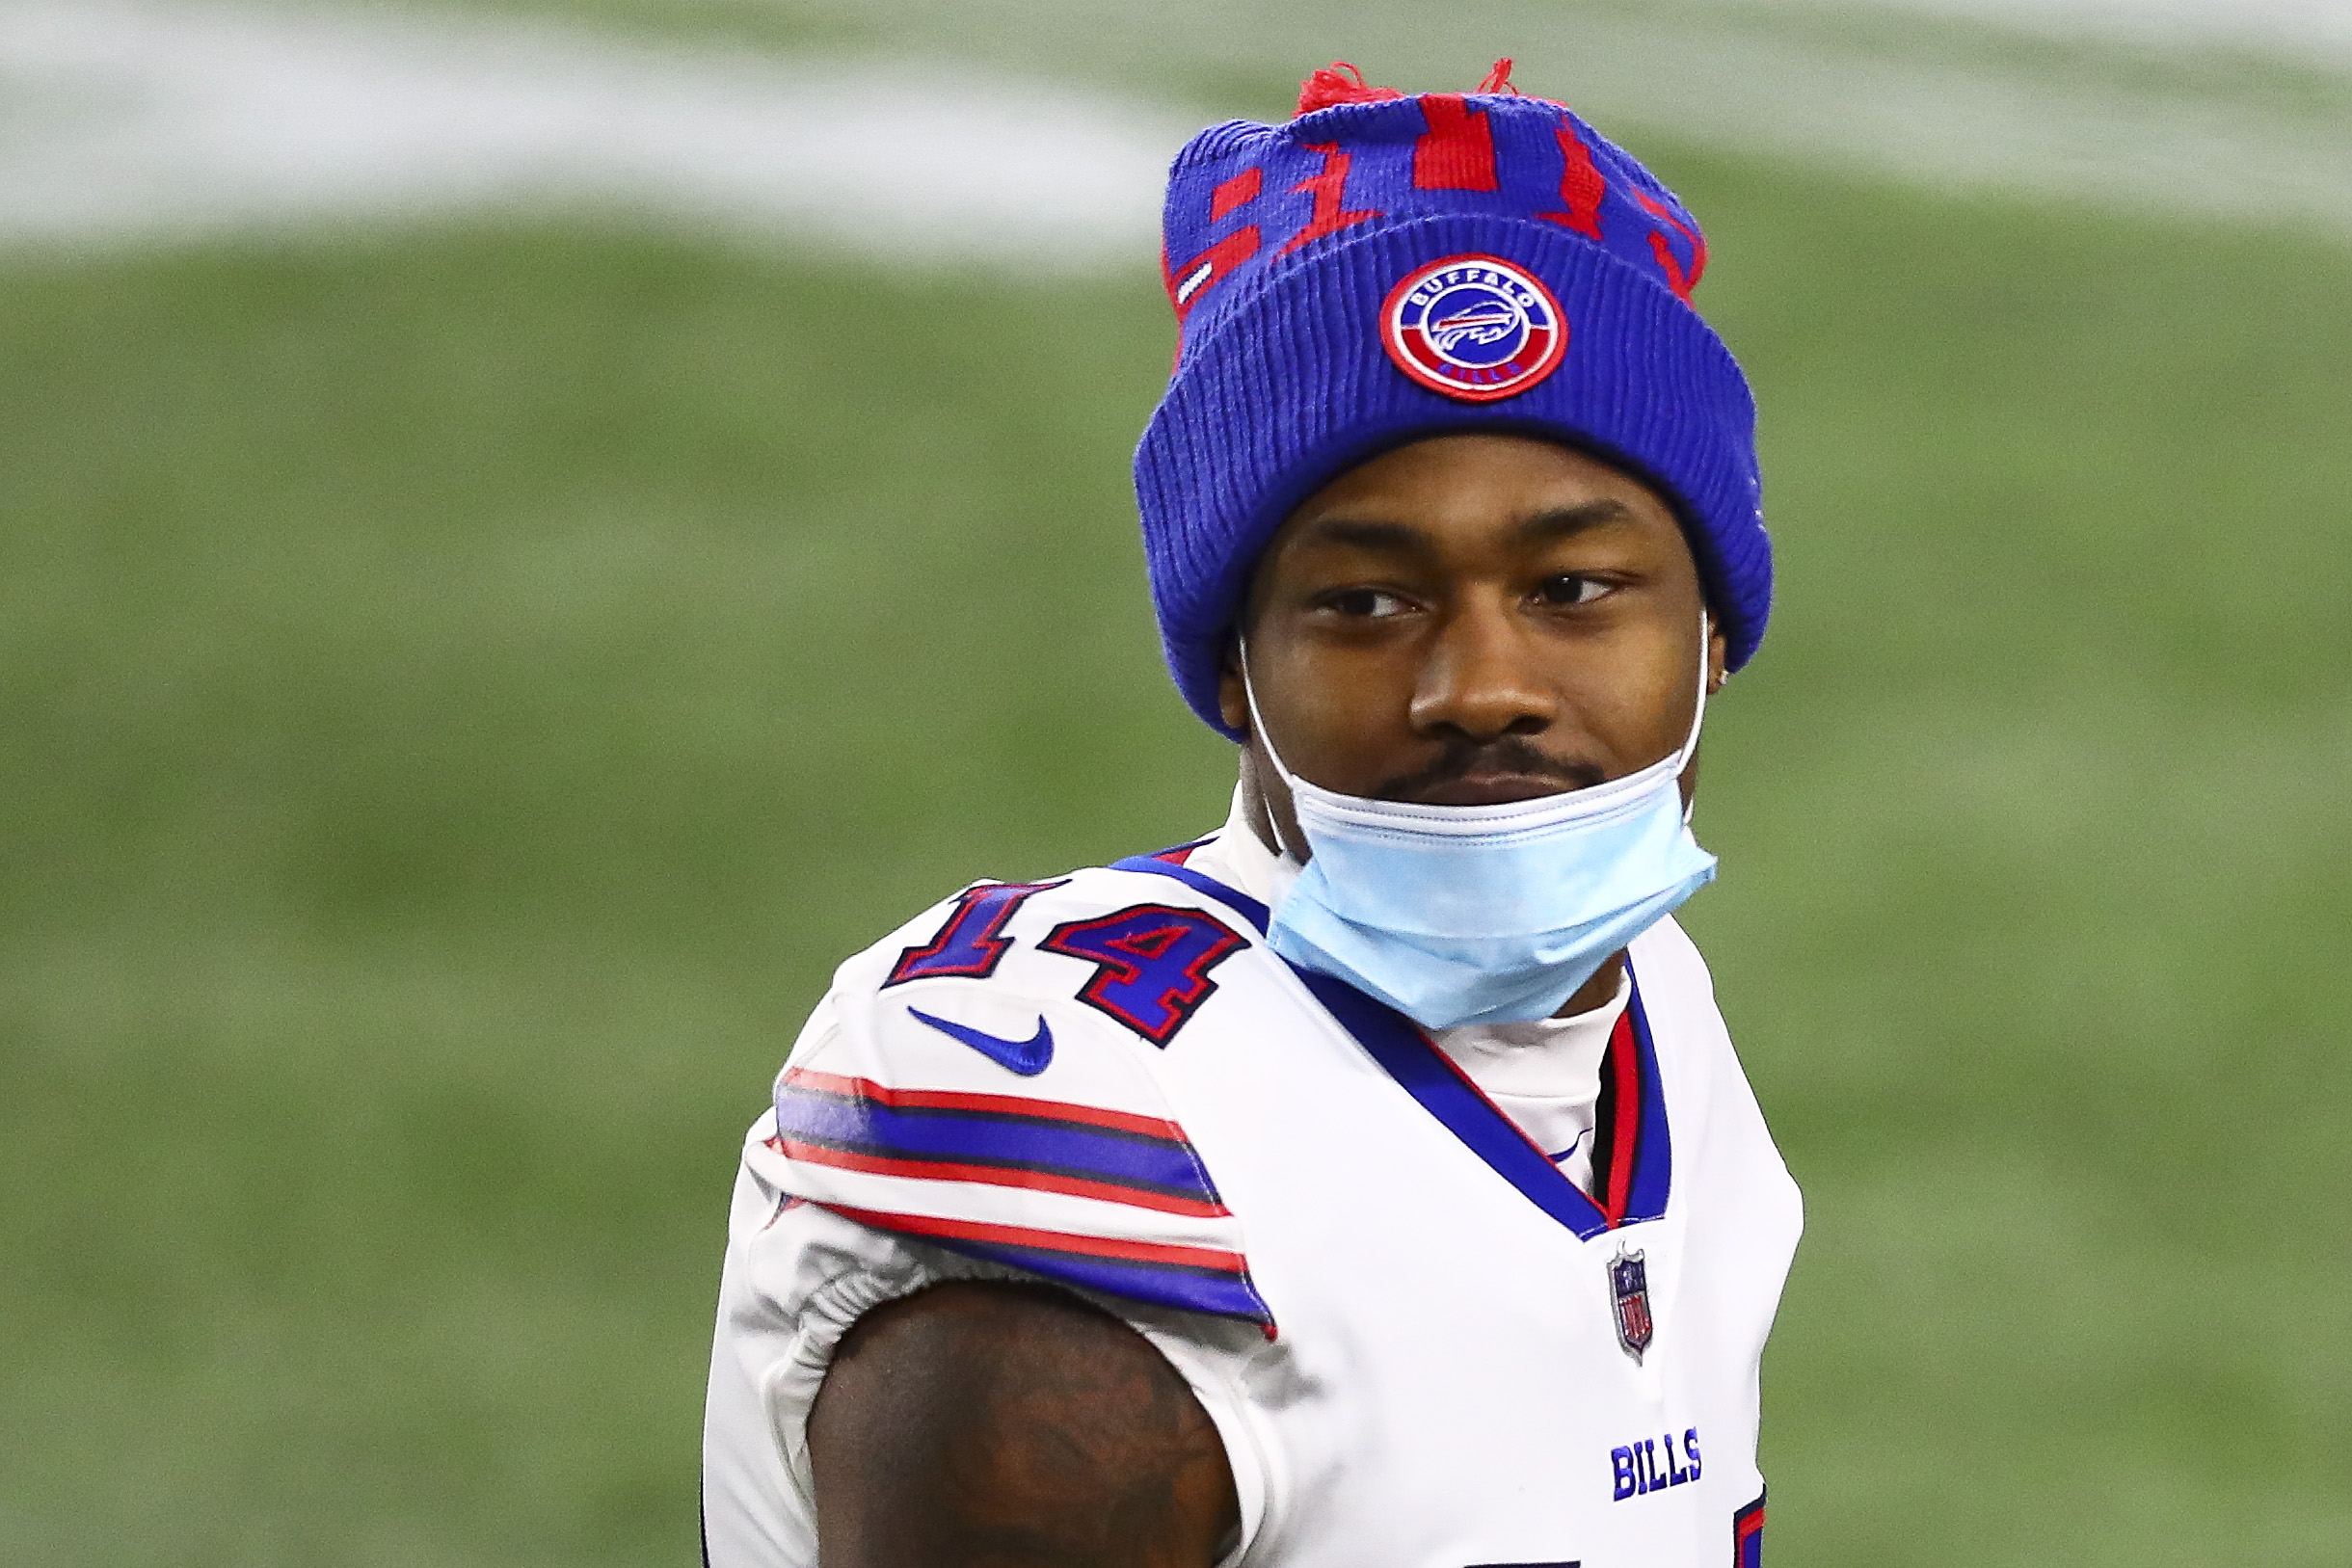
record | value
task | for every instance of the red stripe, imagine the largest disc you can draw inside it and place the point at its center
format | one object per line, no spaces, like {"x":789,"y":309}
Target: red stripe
{"x":1748,"y":1537}
{"x":1018,"y":1236}
{"x":1625,"y":1060}
{"x":1076,"y":1186}
{"x":1048,"y":1110}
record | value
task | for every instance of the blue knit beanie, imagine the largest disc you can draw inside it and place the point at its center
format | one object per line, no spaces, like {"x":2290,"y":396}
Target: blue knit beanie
{"x":1385,"y":268}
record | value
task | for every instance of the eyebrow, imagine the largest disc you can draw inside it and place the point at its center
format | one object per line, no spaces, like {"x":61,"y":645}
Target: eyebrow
{"x":1564,"y":521}
{"x":1545,"y":528}
{"x":1398,"y":538}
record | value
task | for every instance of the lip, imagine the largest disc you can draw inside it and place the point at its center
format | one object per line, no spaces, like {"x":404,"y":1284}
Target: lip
{"x":1493,"y":789}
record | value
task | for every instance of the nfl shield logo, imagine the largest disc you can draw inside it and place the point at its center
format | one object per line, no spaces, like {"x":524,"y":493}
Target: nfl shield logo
{"x":1629,"y":1283}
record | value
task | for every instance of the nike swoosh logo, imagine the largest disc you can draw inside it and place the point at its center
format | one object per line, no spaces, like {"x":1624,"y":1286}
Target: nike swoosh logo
{"x":1026,"y":1057}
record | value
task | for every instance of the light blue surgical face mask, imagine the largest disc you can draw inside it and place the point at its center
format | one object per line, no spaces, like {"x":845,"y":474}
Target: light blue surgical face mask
{"x":1485,"y":914}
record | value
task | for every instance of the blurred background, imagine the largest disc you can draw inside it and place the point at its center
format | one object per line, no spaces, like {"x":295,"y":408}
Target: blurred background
{"x":529,"y":530}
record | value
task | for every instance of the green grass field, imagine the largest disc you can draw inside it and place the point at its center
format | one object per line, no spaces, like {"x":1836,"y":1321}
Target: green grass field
{"x":463,"y":691}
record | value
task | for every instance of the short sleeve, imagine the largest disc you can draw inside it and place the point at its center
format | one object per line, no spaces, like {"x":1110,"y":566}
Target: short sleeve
{"x":797,"y":1276}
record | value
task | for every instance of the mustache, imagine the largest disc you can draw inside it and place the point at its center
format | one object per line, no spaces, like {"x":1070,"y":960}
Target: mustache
{"x":1505,"y":754}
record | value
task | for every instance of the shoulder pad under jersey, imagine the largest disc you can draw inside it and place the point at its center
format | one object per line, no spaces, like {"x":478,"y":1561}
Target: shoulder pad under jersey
{"x":984,"y":1079}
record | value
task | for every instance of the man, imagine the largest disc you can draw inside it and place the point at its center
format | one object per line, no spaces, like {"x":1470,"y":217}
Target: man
{"x":1370,"y":1181}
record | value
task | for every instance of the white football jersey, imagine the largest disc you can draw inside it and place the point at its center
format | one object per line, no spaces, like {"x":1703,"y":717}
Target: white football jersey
{"x":1424,"y":1345}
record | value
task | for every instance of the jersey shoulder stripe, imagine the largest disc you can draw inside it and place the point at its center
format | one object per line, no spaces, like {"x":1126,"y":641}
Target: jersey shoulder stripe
{"x":1198,"y":1279}
{"x":1011,"y":1141}
{"x":1063,"y":1157}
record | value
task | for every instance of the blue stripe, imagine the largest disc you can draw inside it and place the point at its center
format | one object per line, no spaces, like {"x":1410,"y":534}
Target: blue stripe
{"x":1397,"y":1044}
{"x":1240,"y":903}
{"x":1751,"y":1544}
{"x":1653,"y":1148}
{"x":1005,"y":1140}
{"x":1163,"y":1284}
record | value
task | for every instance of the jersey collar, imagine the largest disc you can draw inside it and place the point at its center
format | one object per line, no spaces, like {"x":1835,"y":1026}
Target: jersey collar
{"x":1637,"y":1151}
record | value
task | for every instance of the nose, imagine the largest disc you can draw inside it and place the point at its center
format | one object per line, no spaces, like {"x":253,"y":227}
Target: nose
{"x":1479,"y":679}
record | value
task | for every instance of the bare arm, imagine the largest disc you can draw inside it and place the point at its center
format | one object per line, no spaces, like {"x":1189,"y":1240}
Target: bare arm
{"x":995,"y":1426}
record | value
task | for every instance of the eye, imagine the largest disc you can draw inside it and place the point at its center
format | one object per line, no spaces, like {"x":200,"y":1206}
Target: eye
{"x":1364,"y":603}
{"x":1571,"y":588}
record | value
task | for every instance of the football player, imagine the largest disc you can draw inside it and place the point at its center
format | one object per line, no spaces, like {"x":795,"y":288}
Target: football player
{"x":1370,"y":1181}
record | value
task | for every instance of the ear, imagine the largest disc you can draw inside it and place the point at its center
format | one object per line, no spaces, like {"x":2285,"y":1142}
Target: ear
{"x":1716,"y":648}
{"x":1232,"y":697}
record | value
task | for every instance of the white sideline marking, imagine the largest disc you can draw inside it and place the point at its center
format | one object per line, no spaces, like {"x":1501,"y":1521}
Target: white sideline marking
{"x":1972,"y":126}
{"x":2161,"y":133}
{"x":126,"y":120}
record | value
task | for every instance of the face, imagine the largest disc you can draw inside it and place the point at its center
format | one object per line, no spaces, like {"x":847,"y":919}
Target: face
{"x":1471,"y":619}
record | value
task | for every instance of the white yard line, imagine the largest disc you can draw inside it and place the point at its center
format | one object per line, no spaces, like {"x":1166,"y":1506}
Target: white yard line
{"x":140,"y":120}
{"x":1959,"y":122}
{"x":144,"y":120}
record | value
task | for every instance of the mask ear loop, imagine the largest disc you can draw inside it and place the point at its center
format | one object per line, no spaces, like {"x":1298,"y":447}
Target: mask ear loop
{"x":1256,"y":728}
{"x":1699,"y":716}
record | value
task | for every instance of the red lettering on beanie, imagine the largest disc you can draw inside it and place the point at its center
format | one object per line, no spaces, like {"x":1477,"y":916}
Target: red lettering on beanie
{"x":1328,"y":186}
{"x":1187,"y":283}
{"x":1456,"y":152}
{"x":1667,"y":262}
{"x":1239,"y":191}
{"x":1581,"y":186}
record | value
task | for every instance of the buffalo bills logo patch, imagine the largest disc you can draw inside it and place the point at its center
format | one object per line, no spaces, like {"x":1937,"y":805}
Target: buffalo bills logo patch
{"x":1629,"y":1284}
{"x":1474,"y":328}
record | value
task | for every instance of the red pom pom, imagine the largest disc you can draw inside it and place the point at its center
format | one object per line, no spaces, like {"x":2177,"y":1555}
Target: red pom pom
{"x":1339,"y":82}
